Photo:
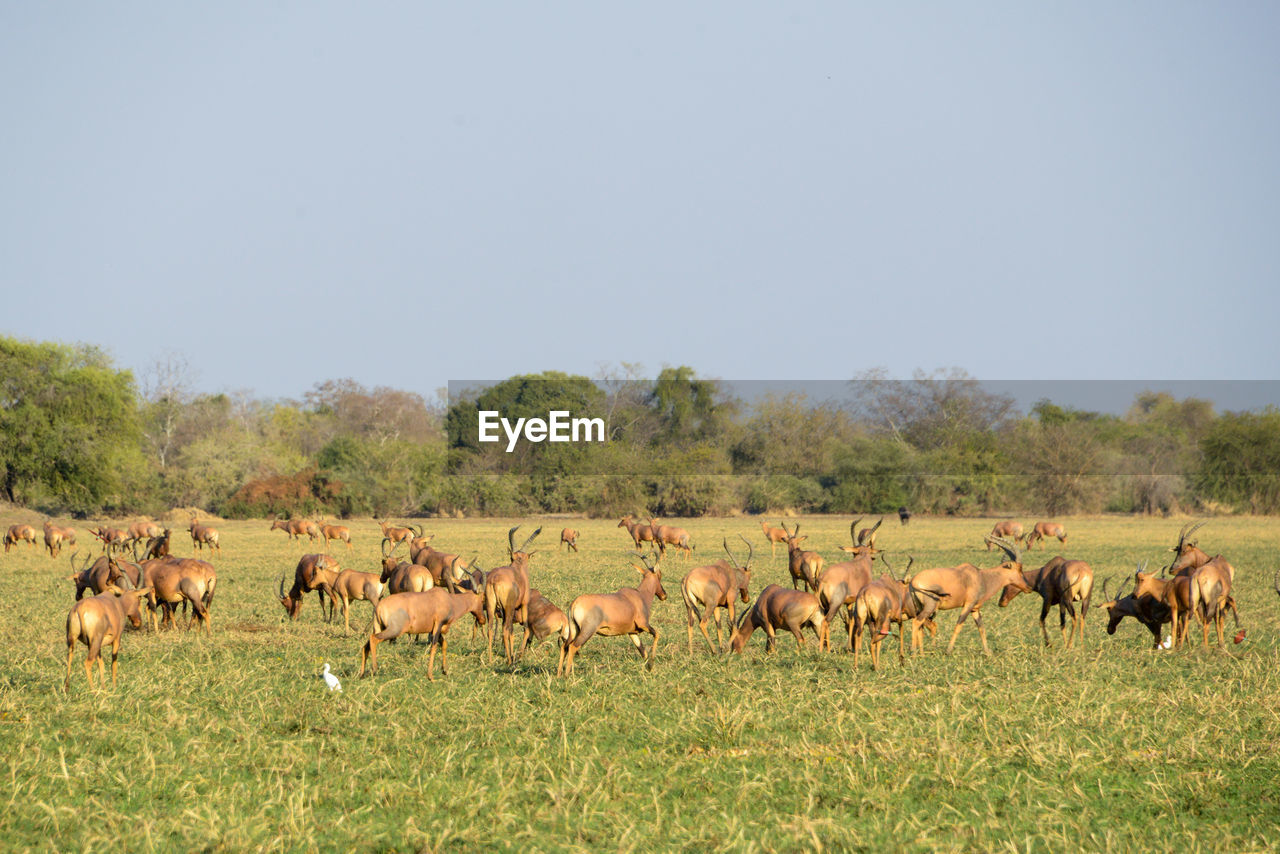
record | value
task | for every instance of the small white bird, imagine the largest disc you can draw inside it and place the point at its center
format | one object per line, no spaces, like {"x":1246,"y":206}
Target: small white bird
{"x":330,"y":679}
{"x":1167,"y":644}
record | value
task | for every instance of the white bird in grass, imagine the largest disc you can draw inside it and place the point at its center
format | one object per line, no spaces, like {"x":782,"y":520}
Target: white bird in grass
{"x":330,"y":679}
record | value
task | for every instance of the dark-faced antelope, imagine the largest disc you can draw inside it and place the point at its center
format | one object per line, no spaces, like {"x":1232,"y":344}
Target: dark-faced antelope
{"x":1044,"y":531}
{"x":1187,"y":554}
{"x":506,"y":591}
{"x":774,"y":536}
{"x":429,"y":613}
{"x":779,"y":608}
{"x":303,"y":577}
{"x":204,"y":535}
{"x":904,"y":515}
{"x":707,"y":589}
{"x":94,"y":578}
{"x":1059,"y":582}
{"x":624,"y":612}
{"x":98,"y":621}
{"x":966,"y":588}
{"x":568,"y":537}
{"x":17,"y":534}
{"x":1146,"y":610}
{"x":1174,"y":593}
{"x":1008,"y":529}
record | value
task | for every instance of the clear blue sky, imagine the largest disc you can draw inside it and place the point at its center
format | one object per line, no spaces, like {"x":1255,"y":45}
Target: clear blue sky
{"x":412,"y":193}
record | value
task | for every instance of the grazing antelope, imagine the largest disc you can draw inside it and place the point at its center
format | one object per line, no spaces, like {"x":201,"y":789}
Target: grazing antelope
{"x":202,"y":535}
{"x":774,"y":536}
{"x":544,"y":620}
{"x":1187,"y":554}
{"x":1147,"y":610}
{"x":295,"y":528}
{"x":624,"y":612}
{"x":1008,"y":529}
{"x":965,"y":587}
{"x":506,"y":590}
{"x":707,"y":589}
{"x":779,"y":608}
{"x":55,"y":538}
{"x":303,"y":576}
{"x":568,"y":537}
{"x":669,"y":535}
{"x":1059,"y":582}
{"x":803,"y":565}
{"x":1173,"y":593}
{"x":17,"y":534}
{"x":102,"y":573}
{"x":429,"y":613}
{"x":639,"y":533}
{"x":398,"y":535}
{"x":98,"y":621}
{"x":1211,"y":594}
{"x":174,"y":581}
{"x":335,"y":532}
{"x":1045,"y":530}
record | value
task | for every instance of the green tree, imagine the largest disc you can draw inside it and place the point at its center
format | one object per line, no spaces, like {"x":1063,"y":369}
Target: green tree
{"x":1241,"y":465}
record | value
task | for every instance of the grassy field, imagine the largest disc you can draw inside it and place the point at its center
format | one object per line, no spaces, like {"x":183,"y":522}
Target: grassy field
{"x":231,"y":742}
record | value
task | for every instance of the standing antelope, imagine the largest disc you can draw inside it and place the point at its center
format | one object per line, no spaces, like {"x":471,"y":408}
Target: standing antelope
{"x":1151,"y":612}
{"x":1059,"y":582}
{"x":774,"y":536}
{"x":965,"y":587}
{"x":55,"y":538}
{"x":624,"y":612}
{"x":157,"y":546}
{"x":1008,"y":529}
{"x":544,"y":620}
{"x":143,"y":530}
{"x":1187,"y":553}
{"x":707,"y":589}
{"x":1045,"y":530}
{"x":113,"y":539}
{"x":803,"y":565}
{"x":669,"y":535}
{"x":397,"y":535}
{"x":1211,"y":594}
{"x":17,"y":534}
{"x":1174,"y":594}
{"x":335,"y":532}
{"x":346,"y":586}
{"x":568,"y":537}
{"x":429,"y":613}
{"x":295,"y":528}
{"x":174,"y":581}
{"x":202,"y":535}
{"x":506,"y":589}
{"x":839,"y":584}
{"x":639,"y":533}
{"x":99,"y":620}
{"x":780,"y":608}
{"x":879,"y":604}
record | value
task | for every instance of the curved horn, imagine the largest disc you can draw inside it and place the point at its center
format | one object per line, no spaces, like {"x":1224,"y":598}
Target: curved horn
{"x":1187,"y":530}
{"x":511,"y":539}
{"x":282,"y":594}
{"x":385,"y":540}
{"x":1007,"y":547}
{"x":853,"y":530}
{"x":874,"y":527}
{"x":532,"y":537}
{"x":733,"y":561}
{"x":751,"y":552}
{"x":1107,"y":597}
{"x":419,"y":528}
{"x":645,"y":559}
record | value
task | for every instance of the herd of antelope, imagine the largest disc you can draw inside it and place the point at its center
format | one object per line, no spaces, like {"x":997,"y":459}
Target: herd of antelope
{"x":425,"y":591}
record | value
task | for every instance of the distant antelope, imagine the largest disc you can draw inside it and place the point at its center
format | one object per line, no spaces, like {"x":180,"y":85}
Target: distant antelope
{"x":1045,"y":530}
{"x":17,"y":534}
{"x":904,"y":515}
{"x":640,"y":533}
{"x":202,"y":535}
{"x":568,"y":537}
{"x":669,"y":535}
{"x":303,"y":576}
{"x":55,"y":538}
{"x":397,"y":535}
{"x":803,"y":565}
{"x":295,"y":528}
{"x":335,"y":532}
{"x":1008,"y":529}
{"x":774,"y":536}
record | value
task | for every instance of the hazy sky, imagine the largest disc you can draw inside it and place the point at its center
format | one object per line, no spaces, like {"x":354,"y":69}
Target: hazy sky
{"x":412,"y":193}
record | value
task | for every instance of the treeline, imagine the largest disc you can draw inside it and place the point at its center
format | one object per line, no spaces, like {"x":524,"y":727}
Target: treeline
{"x":79,"y":436}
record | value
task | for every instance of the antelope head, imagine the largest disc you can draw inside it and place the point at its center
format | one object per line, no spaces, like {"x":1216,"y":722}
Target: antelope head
{"x":743,"y":568}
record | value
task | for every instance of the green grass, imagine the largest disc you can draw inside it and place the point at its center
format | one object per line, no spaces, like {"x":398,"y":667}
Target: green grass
{"x":230,"y":742}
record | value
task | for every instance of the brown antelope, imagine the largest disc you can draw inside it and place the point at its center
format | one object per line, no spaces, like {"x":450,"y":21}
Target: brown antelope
{"x":544,"y":620}
{"x":418,"y":544}
{"x":1059,"y":582}
{"x":879,"y":604}
{"x":55,"y":538}
{"x":707,"y":589}
{"x":639,"y":533}
{"x":429,"y":613}
{"x":1187,"y":555}
{"x":102,"y":573}
{"x":839,"y":584}
{"x":440,"y":564}
{"x":294,"y":529}
{"x":202,"y":535}
{"x":174,"y":581}
{"x":774,"y":536}
{"x":779,"y":608}
{"x":405,"y":577}
{"x":397,"y":535}
{"x":346,"y":586}
{"x":669,"y":535}
{"x":1008,"y":529}
{"x":1147,"y":610}
{"x":141,"y":531}
{"x":965,"y":587}
{"x":303,"y":576}
{"x":506,"y":590}
{"x":157,"y":546}
{"x":568,"y":537}
{"x":1173,"y":593}
{"x":624,"y":612}
{"x":112,"y":539}
{"x":1045,"y":530}
{"x":335,"y":532}
{"x":99,"y":620}
{"x":803,"y":565}
{"x":17,"y":534}
{"x":1211,"y":594}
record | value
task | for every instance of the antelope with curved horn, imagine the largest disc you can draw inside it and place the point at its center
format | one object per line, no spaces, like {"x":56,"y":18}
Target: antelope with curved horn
{"x":867,"y":536}
{"x":774,"y":536}
{"x":1008,"y":529}
{"x":967,"y":588}
{"x":640,"y":533}
{"x":1173,"y":593}
{"x":17,"y":534}
{"x":1045,"y":530}
{"x":624,"y":612}
{"x":779,"y":608}
{"x":1187,"y":555}
{"x":1147,"y":610}
{"x":707,"y":589}
{"x":157,"y":546}
{"x":429,"y":613}
{"x":98,"y":621}
{"x":506,"y":590}
{"x":1059,"y":582}
{"x":839,"y":584}
{"x":303,"y":576}
{"x":394,"y":534}
{"x":803,"y":565}
{"x":112,"y":539}
{"x":879,"y":604}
